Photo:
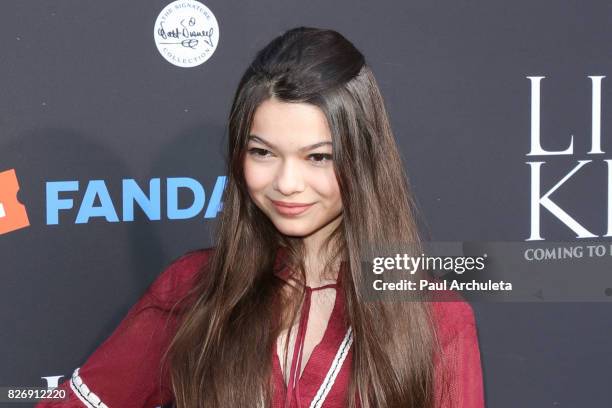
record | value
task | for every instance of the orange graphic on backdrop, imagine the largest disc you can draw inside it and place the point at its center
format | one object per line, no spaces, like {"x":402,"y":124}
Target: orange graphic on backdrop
{"x":13,"y":215}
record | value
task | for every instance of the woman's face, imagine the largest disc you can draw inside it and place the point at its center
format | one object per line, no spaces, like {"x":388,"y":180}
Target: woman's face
{"x":289,"y":163}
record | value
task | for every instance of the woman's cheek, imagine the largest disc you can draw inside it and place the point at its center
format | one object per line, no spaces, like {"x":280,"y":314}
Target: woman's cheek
{"x":326,"y":184}
{"x":254,"y":176}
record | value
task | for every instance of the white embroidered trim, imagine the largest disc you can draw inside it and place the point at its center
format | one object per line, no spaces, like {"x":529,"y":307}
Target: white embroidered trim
{"x":81,"y":390}
{"x":91,"y":400}
{"x":330,"y":378}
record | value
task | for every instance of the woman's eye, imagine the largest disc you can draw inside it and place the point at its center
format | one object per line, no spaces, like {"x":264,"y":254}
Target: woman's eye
{"x":320,"y":157}
{"x":258,"y":152}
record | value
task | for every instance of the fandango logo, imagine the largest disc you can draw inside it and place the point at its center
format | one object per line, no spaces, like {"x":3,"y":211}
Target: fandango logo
{"x":13,"y":214}
{"x":58,"y":199}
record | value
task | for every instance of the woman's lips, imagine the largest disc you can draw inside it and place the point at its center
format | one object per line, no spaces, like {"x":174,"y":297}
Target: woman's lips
{"x":286,"y":208}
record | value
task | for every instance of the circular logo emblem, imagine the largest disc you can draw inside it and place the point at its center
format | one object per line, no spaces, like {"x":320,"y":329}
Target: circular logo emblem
{"x":186,"y":33}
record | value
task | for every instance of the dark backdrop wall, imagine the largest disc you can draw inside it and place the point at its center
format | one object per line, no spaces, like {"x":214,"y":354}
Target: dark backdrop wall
{"x":88,"y":103}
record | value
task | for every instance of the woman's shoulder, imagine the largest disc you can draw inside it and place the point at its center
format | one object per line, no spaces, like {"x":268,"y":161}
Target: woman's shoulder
{"x":452,"y":315}
{"x":180,"y":275}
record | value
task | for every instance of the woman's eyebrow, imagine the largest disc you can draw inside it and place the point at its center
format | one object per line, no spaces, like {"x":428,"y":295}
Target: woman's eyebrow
{"x":256,"y":138}
{"x":314,"y":146}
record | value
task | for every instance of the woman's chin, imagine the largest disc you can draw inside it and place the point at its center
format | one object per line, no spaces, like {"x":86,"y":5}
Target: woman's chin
{"x":293,"y":230}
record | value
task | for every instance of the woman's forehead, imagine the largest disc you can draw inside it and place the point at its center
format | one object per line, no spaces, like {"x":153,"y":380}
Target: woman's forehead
{"x":291,"y":125}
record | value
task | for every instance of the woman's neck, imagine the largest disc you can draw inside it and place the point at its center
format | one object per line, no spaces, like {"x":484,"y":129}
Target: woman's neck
{"x":317,"y":256}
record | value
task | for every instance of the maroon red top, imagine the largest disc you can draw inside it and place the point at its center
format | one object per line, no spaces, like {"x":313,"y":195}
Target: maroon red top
{"x":125,"y":371}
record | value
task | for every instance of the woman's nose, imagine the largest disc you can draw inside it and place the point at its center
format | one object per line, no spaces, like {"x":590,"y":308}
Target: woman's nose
{"x":289,"y":177}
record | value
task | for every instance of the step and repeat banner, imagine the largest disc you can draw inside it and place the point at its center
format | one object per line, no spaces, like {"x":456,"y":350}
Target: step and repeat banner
{"x":112,"y":147}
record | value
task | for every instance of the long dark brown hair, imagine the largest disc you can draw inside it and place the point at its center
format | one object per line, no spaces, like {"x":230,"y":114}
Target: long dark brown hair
{"x":220,"y":355}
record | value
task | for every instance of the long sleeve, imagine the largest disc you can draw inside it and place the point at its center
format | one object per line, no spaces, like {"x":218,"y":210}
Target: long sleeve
{"x":458,"y":372}
{"x":126,"y":370}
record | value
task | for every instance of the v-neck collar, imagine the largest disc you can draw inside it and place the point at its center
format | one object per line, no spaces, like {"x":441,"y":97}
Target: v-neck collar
{"x":320,"y":359}
{"x":323,"y":354}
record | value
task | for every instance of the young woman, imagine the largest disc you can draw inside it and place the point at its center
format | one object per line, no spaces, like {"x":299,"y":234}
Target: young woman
{"x":275,"y":314}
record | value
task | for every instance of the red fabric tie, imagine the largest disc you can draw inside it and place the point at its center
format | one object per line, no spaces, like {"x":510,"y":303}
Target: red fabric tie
{"x":293,"y":388}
